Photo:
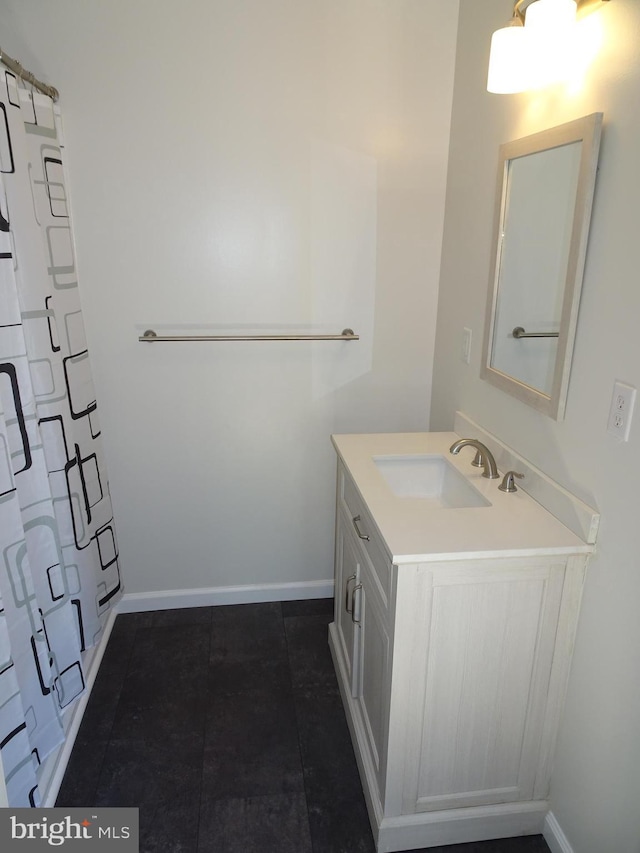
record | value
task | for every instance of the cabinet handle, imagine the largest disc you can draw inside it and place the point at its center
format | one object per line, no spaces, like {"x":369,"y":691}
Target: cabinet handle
{"x":355,"y":589}
{"x":362,"y":535}
{"x":346,"y":594}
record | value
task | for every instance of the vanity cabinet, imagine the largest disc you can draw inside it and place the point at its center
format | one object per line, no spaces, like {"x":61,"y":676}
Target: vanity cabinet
{"x":452,"y":673}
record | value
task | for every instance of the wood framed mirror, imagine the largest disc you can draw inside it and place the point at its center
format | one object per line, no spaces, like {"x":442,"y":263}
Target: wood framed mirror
{"x":545,"y":193}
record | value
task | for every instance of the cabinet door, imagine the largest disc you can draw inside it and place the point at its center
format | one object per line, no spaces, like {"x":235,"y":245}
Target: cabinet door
{"x":347,"y":579}
{"x":481,"y":679}
{"x":372,"y":688}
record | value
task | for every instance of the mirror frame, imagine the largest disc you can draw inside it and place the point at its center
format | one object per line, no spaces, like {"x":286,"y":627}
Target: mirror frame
{"x":588,"y":131}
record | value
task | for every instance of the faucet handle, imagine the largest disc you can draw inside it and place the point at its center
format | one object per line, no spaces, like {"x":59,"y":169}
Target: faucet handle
{"x":508,"y":482}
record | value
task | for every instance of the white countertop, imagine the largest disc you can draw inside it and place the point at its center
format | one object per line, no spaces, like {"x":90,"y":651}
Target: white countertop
{"x":415,"y":531}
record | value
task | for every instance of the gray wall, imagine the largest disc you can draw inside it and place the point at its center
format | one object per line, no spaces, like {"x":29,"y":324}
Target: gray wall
{"x":596,"y":782}
{"x":243,"y":163}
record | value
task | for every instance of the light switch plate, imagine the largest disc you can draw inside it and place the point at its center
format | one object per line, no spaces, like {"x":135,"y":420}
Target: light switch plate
{"x":466,"y":345}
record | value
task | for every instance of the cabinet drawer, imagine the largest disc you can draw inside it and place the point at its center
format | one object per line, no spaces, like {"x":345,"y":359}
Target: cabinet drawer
{"x":368,"y":537}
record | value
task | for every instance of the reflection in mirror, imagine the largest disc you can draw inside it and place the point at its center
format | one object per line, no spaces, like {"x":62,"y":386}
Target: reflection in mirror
{"x":544,"y":203}
{"x":539,"y":201}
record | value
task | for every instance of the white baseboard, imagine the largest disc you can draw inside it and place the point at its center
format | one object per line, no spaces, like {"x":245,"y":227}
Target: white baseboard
{"x":54,"y":766}
{"x":460,"y":826}
{"x":554,"y":836}
{"x":170,"y":599}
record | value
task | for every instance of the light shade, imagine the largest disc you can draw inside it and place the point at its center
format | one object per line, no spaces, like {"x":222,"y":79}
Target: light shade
{"x":536,"y":54}
{"x":511,"y":61}
{"x":551,"y":15}
{"x":552,"y":27}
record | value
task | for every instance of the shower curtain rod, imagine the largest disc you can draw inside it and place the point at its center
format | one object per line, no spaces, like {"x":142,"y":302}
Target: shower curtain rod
{"x":17,"y":68}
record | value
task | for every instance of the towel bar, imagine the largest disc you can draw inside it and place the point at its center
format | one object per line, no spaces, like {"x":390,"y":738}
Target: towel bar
{"x":151,"y":337}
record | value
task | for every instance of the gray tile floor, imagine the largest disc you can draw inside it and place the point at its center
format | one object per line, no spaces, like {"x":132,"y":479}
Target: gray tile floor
{"x":224,"y":725}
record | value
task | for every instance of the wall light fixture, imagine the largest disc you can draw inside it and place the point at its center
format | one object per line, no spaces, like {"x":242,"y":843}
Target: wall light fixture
{"x":535,"y":48}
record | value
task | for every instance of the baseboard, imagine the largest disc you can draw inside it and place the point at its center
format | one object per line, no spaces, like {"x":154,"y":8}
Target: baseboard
{"x":554,"y":836}
{"x":460,"y":826}
{"x":54,"y":766}
{"x":170,"y":599}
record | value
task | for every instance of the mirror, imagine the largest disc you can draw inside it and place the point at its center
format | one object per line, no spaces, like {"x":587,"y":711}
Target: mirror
{"x":545,"y":192}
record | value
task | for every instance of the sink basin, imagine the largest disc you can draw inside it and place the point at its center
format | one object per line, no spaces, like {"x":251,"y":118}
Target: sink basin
{"x":431,"y":477}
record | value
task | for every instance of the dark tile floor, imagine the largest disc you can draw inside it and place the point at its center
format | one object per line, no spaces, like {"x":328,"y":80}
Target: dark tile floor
{"x":224,"y":725}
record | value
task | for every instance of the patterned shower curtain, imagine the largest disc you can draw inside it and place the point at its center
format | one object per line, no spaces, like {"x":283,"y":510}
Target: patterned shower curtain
{"x":59,"y":571}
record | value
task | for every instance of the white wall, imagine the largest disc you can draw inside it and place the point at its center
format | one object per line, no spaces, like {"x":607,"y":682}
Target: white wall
{"x":596,"y":783}
{"x":273,"y":164}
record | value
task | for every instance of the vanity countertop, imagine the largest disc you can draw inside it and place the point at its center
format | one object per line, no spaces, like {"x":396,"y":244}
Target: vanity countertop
{"x":414,"y":531}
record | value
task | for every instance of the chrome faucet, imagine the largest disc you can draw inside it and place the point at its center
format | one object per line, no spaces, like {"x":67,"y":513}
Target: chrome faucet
{"x":485,"y":456}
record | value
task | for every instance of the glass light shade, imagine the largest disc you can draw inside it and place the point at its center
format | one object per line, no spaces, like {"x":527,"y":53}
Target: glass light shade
{"x":510,"y":62}
{"x":537,"y":54}
{"x":551,"y":25}
{"x":551,"y":15}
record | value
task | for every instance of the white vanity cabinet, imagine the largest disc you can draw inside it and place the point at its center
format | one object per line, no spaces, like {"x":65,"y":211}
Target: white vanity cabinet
{"x":452,"y":673}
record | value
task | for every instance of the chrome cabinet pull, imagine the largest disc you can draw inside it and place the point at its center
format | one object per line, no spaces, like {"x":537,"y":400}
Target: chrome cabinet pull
{"x":362,"y":535}
{"x":355,"y":589}
{"x":346,"y":594}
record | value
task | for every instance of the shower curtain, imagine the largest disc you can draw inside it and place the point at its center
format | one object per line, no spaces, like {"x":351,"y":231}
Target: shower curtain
{"x":59,"y":569}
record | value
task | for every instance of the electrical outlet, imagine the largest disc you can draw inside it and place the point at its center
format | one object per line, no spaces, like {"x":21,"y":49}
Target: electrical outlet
{"x":621,"y":410}
{"x":466,"y":345}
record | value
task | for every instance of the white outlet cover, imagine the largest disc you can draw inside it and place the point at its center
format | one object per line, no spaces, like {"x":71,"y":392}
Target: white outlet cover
{"x":621,"y":410}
